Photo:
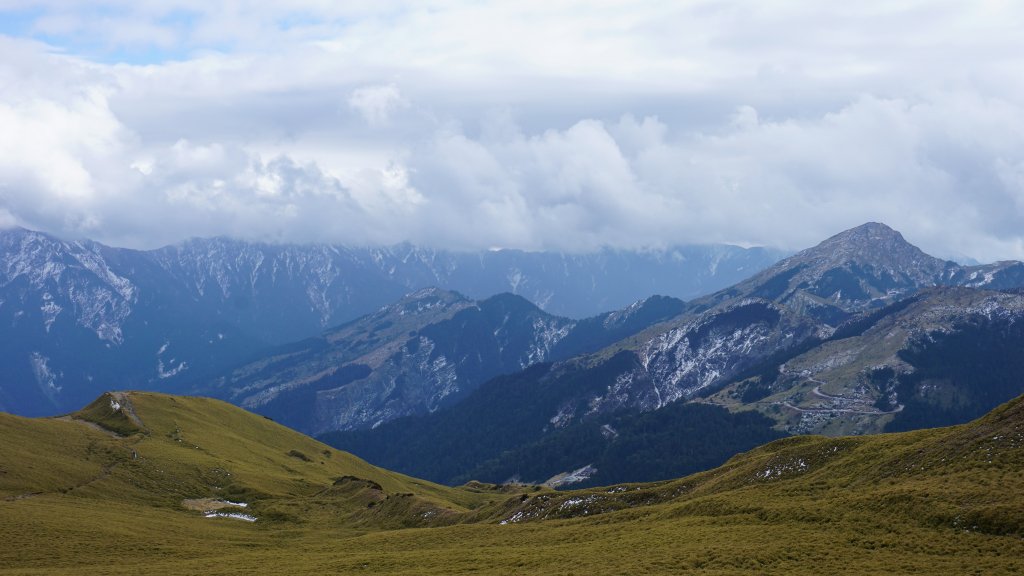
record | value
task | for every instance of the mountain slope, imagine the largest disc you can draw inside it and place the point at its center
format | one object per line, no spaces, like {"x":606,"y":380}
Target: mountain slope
{"x":150,"y":449}
{"x":796,"y":301}
{"x":428,"y":350}
{"x":741,"y":333}
{"x":75,"y":316}
{"x":78,"y":317}
{"x":864,"y":267}
{"x":485,"y":441}
{"x":77,"y":498}
{"x":940,"y":358}
{"x":896,"y":474}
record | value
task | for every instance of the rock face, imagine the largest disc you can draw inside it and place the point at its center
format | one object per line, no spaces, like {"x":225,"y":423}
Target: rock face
{"x":704,"y":351}
{"x":77,"y":318}
{"x":426,"y":351}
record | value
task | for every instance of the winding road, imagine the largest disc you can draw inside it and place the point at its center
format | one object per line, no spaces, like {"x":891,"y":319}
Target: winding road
{"x":817,"y":392}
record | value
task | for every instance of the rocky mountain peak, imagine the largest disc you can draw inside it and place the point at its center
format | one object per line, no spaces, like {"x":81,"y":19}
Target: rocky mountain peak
{"x":869,"y":236}
{"x":864,"y":267}
{"x":873,"y":245}
{"x":429,"y":298}
{"x":869,"y":231}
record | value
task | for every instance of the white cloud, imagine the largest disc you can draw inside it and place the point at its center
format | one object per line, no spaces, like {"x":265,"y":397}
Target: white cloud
{"x":376,"y":103}
{"x":529,"y":124}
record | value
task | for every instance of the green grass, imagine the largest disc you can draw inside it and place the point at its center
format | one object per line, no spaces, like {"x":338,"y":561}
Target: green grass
{"x":75,"y":498}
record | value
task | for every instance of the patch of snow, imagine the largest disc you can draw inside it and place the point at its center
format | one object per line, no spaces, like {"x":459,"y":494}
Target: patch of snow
{"x":162,"y":372}
{"x":547,"y":333}
{"x":234,"y":515}
{"x":50,"y":310}
{"x":775,"y":471}
{"x":46,"y":378}
{"x":574,"y":477}
{"x":563,"y":417}
{"x":517,"y":517}
{"x":580,"y":505}
{"x":515,"y":279}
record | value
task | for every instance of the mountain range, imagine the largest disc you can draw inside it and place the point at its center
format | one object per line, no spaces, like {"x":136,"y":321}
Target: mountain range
{"x":862,"y":333}
{"x":78,"y":317}
{"x":428,"y":350}
{"x":542,"y":425}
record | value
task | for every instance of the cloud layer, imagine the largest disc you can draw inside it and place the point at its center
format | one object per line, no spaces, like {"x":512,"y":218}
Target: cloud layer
{"x":558,"y":126}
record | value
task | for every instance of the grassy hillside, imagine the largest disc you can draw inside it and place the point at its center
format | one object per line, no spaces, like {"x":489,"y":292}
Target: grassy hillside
{"x":77,"y":496}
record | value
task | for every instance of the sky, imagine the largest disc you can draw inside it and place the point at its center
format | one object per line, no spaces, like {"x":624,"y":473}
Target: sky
{"x":554,"y":125}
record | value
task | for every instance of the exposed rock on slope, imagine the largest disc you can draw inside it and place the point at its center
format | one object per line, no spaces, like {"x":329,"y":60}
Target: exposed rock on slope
{"x":942,"y":357}
{"x":799,"y":300}
{"x":426,"y":351}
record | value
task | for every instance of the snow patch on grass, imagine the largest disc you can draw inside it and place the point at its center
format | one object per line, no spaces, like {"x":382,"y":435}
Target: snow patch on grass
{"x":235,"y":515}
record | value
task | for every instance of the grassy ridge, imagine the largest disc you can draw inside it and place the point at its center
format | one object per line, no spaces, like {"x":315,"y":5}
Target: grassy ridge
{"x":946,"y":500}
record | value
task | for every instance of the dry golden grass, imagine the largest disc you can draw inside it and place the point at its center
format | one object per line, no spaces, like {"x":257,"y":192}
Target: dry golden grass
{"x":75,"y":499}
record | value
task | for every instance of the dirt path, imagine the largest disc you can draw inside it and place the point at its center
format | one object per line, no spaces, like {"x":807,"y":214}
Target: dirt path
{"x":817,"y":392}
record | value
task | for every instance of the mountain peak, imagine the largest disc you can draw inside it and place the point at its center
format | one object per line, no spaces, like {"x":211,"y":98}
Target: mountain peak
{"x":433,"y":294}
{"x":867,"y":232}
{"x":859,"y":268}
{"x":431,"y":302}
{"x":873,"y":245}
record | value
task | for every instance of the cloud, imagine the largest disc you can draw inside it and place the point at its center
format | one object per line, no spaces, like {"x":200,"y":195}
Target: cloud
{"x":376,"y":103}
{"x":942,"y":170}
{"x":563,"y":126}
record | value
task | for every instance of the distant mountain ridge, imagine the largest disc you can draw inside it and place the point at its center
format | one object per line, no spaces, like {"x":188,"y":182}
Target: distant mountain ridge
{"x":800,"y":299}
{"x":77,"y":317}
{"x":426,"y":351}
{"x":740,"y":339}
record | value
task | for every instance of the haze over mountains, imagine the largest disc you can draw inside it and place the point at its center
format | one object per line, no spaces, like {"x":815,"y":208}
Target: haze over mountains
{"x":77,"y":318}
{"x":843,"y":337}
